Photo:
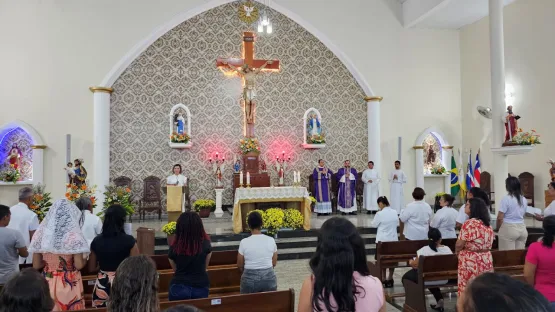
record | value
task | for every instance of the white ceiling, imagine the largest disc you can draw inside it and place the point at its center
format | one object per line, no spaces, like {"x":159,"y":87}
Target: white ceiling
{"x":444,"y":14}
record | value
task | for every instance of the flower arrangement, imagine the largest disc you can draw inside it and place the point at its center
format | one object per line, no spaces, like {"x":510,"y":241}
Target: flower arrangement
{"x":11,"y":174}
{"x":118,"y":195}
{"x":169,"y":228}
{"x":293,"y":219}
{"x":317,"y":139}
{"x":74,"y":192}
{"x":248,"y":145}
{"x":527,"y":138}
{"x":201,"y":204}
{"x":438,"y":169}
{"x":274,"y":219}
{"x":180,"y":138}
{"x":41,"y":201}
{"x":312,"y":199}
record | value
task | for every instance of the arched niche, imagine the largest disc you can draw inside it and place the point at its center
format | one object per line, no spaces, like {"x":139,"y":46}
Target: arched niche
{"x":313,"y":132}
{"x":180,"y":123}
{"x":432,"y":143}
{"x":30,"y":145}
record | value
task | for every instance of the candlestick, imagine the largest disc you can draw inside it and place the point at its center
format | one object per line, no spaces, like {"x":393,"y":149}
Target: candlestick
{"x":248,"y":178}
{"x":241,"y":178}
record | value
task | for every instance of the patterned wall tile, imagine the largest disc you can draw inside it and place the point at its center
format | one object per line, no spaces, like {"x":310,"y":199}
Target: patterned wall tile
{"x":180,"y":67}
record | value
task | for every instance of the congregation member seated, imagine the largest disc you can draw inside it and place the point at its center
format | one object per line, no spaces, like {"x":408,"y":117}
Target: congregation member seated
{"x":340,"y":279}
{"x":474,"y":192}
{"x":92,"y":225}
{"x":58,"y":247}
{"x":24,"y":220}
{"x":538,"y":268}
{"x":494,"y":292}
{"x":12,"y":246}
{"x":189,"y":256}
{"x":445,"y":219}
{"x":135,"y":287}
{"x":387,"y":221}
{"x":434,"y":248}
{"x":26,"y":291}
{"x":108,"y":250}
{"x":257,"y":258}
{"x":474,"y":243}
{"x":416,"y":217}
{"x":510,"y":218}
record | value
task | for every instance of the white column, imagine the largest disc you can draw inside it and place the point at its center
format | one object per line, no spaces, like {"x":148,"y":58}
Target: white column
{"x":101,"y":155}
{"x":497,"y":59}
{"x":446,"y":156}
{"x":374,"y":132}
{"x":38,"y":163}
{"x":219,"y":194}
{"x":419,"y":165}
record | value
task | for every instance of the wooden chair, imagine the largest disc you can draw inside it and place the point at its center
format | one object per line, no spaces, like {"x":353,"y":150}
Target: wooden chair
{"x":123,"y":181}
{"x":152,"y":197}
{"x":486,"y":185}
{"x":359,"y":191}
{"x":334,"y":192}
{"x":527,"y":186}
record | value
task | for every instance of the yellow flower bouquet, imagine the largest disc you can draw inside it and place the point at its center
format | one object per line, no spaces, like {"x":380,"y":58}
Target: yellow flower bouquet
{"x":248,"y":145}
{"x":527,"y":138}
{"x":169,"y":228}
{"x":293,"y":219}
{"x":180,"y":138}
{"x":74,"y":192}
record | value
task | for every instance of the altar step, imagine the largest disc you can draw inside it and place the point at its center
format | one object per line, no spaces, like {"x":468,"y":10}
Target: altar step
{"x":291,"y":244}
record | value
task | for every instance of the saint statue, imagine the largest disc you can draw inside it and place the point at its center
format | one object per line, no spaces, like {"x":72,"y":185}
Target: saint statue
{"x":237,"y":166}
{"x":430,"y":156}
{"x":511,"y":124}
{"x":80,"y":173}
{"x":314,"y":126}
{"x":14,"y":156}
{"x":218,"y":168}
{"x":280,"y":168}
{"x":552,"y":170}
{"x":249,"y":76}
{"x":180,"y":123}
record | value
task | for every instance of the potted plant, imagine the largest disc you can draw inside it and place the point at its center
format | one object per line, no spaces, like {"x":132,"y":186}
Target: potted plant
{"x":120,"y":195}
{"x":293,"y":219}
{"x":312,"y":203}
{"x":170,"y":229}
{"x":273,"y":221}
{"x":204,"y":206}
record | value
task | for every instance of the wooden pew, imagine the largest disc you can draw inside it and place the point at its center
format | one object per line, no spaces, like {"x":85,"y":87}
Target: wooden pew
{"x":397,"y":254}
{"x":445,"y":267}
{"x":224,"y":280}
{"x":218,"y":259}
{"x":273,"y":301}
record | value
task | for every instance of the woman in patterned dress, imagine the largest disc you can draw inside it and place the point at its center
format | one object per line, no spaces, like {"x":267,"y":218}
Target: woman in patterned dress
{"x":474,"y":244}
{"x":58,"y":247}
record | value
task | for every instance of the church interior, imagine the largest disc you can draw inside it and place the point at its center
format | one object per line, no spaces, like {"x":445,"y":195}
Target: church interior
{"x":225,"y":107}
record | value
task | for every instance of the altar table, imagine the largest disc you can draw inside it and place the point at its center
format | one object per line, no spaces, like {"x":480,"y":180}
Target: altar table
{"x":270,"y":194}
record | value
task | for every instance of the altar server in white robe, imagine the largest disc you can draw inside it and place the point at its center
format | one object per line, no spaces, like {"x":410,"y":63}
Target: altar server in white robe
{"x":371,"y":180}
{"x":178,"y":179}
{"x":397,"y":179}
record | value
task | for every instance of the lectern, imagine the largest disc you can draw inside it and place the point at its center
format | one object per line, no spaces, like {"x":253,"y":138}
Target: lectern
{"x":175,"y":201}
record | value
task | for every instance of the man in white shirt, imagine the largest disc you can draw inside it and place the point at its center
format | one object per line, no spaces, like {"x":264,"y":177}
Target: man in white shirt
{"x":397,"y":179}
{"x":371,"y":180}
{"x":92,"y":225}
{"x":416,"y":217}
{"x":24,"y":220}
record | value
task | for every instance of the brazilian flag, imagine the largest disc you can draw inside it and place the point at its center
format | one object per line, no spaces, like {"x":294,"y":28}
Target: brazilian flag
{"x":455,"y":186}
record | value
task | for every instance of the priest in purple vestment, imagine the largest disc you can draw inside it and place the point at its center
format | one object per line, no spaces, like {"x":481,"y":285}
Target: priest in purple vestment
{"x":322,"y":183}
{"x":347,"y":178}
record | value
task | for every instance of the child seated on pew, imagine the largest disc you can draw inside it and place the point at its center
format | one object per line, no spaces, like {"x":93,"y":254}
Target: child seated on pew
{"x":433,"y":249}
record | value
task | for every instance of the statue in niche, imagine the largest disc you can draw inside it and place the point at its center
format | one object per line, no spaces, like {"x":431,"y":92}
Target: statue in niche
{"x":179,"y":123}
{"x":432,"y":152}
{"x":314,"y":128}
{"x":14,"y":156}
{"x":430,"y":156}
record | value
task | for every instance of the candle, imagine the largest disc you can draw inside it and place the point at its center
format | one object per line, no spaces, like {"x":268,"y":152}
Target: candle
{"x":248,"y":178}
{"x":241,"y":177}
{"x":298,"y":177}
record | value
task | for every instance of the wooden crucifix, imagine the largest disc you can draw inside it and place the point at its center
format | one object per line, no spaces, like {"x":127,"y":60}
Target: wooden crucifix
{"x":248,"y":68}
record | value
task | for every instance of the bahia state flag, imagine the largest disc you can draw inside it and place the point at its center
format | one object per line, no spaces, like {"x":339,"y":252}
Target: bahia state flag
{"x":477,"y":170}
{"x":462,"y":178}
{"x":455,"y":186}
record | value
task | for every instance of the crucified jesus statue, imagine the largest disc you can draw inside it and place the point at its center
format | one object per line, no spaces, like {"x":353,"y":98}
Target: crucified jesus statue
{"x":249,"y":76}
